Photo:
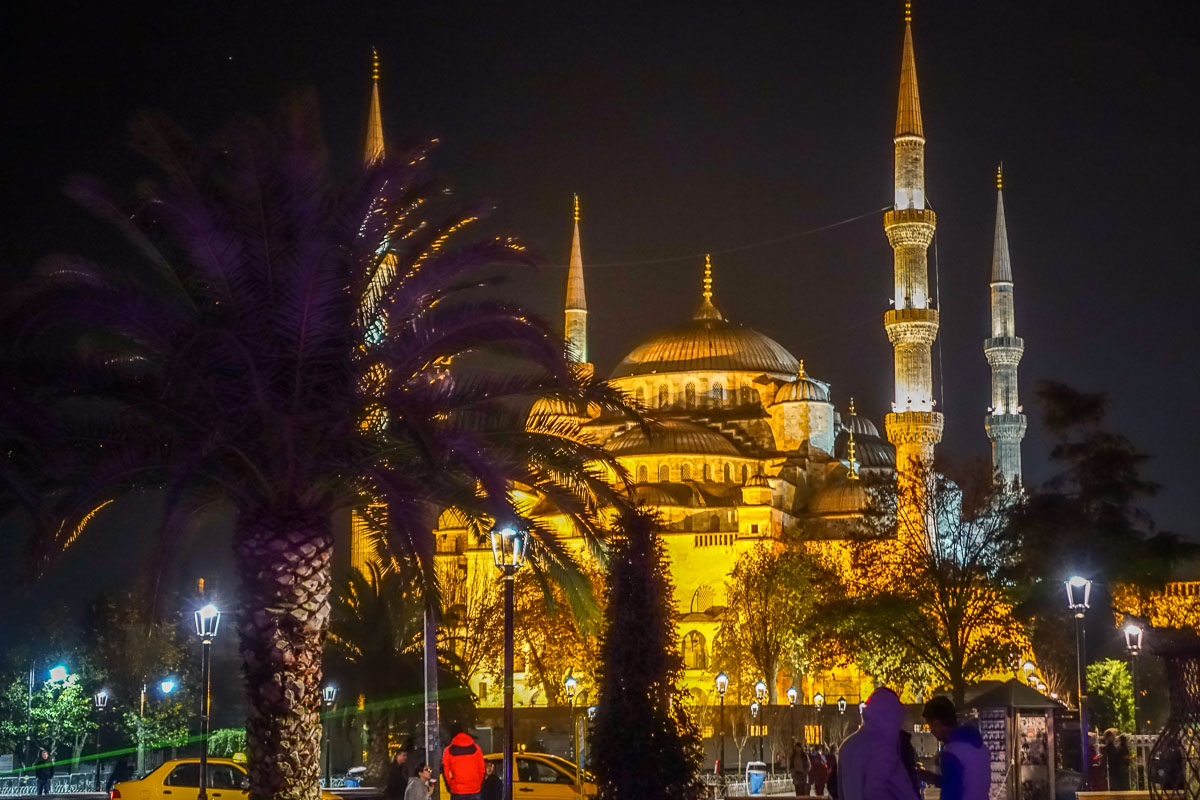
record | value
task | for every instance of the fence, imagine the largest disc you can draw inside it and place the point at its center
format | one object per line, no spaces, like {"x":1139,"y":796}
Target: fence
{"x":65,"y":783}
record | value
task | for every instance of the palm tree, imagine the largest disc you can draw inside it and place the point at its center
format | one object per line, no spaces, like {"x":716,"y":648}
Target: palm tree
{"x":231,"y":365}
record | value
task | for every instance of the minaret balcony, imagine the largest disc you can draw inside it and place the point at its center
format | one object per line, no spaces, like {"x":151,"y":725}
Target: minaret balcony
{"x":1005,"y":342}
{"x":910,"y":216}
{"x":1005,"y":426}
{"x":914,"y":427}
{"x":911,"y":325}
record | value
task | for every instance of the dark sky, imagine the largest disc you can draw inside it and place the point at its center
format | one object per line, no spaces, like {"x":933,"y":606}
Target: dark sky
{"x":723,"y":127}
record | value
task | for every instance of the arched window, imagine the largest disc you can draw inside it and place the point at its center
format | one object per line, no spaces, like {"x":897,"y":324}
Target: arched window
{"x":702,"y":599}
{"x":643,"y":474}
{"x":664,"y":473}
{"x":689,"y":395}
{"x":694,"y":654}
{"x":707,"y":472}
{"x":664,"y":395}
{"x":714,"y":523}
{"x":640,"y":396}
{"x":746,"y":397}
{"x":745,"y":473}
{"x":725,"y":473}
{"x":685,"y":472}
{"x":718,"y":395}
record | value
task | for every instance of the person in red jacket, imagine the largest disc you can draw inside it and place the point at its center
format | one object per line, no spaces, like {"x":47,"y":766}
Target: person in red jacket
{"x":462,"y":766}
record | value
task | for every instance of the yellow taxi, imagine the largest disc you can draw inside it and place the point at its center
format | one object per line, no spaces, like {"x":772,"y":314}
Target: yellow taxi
{"x":180,"y":779}
{"x":541,"y":776}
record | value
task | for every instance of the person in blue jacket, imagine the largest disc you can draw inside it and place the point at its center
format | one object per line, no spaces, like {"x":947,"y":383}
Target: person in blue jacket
{"x":966,"y":764}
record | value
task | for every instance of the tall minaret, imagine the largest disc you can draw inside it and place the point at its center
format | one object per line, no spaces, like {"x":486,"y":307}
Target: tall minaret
{"x":575,"y":327}
{"x":914,"y":427}
{"x":373,"y":146}
{"x":1005,"y":424}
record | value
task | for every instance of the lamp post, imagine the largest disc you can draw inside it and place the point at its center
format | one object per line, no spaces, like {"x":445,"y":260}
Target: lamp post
{"x":1079,"y":594}
{"x":328,"y":697}
{"x":722,"y":686}
{"x":760,"y":694}
{"x":1133,"y":643}
{"x":754,"y":722}
{"x":572,"y":685}
{"x":508,"y":553}
{"x":818,"y":704}
{"x":841,"y":705}
{"x":792,"y":694}
{"x":101,"y":699}
{"x":208,"y":619}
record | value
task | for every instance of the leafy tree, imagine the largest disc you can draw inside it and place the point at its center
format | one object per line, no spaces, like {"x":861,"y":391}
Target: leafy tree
{"x":926,"y":589}
{"x":61,"y":712}
{"x":556,"y":639}
{"x":473,"y":627}
{"x":233,"y":364}
{"x":1110,"y":695}
{"x":1086,"y":520}
{"x":225,"y":742}
{"x":644,"y":744}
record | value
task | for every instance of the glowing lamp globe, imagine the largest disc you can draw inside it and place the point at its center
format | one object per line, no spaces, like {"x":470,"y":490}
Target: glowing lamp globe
{"x":819,"y":701}
{"x":571,"y":685}
{"x":760,"y":691}
{"x":508,"y":547}
{"x":722,"y":683}
{"x":101,"y":699}
{"x":841,"y":704}
{"x":1133,"y":638}
{"x":792,"y":694}
{"x":208,"y":620}
{"x":754,"y":709}
{"x":1079,"y":594}
{"x":166,"y":686}
{"x":329,"y":694}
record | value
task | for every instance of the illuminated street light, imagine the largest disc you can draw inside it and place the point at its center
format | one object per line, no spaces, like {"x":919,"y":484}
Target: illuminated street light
{"x":841,"y":704}
{"x":819,"y":701}
{"x":208,"y":622}
{"x":58,"y":674}
{"x":754,"y":715}
{"x":571,"y":685}
{"x":760,"y":691}
{"x":792,"y":694}
{"x":101,"y":699}
{"x":166,"y":686}
{"x":328,"y":696}
{"x":1029,"y":667}
{"x":1079,"y":595}
{"x":1133,"y":643}
{"x":722,"y":685}
{"x":508,"y":554}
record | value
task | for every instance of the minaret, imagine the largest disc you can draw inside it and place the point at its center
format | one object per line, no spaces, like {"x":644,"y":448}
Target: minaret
{"x":373,"y":146}
{"x":914,"y":427}
{"x":576,"y":305}
{"x":1005,"y":424}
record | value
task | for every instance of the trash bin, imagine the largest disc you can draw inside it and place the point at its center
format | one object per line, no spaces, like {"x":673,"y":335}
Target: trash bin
{"x":756,"y":776}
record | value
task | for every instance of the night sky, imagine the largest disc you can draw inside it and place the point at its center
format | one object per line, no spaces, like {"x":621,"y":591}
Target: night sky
{"x":730,"y":128}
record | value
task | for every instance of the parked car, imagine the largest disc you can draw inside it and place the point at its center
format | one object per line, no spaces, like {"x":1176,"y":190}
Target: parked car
{"x":541,"y":776}
{"x":180,"y":778}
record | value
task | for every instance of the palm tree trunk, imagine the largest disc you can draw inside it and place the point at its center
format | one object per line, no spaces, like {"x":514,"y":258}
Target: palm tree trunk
{"x":284,"y":566}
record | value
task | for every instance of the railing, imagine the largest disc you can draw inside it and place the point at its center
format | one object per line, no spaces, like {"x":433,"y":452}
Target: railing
{"x":66,"y":783}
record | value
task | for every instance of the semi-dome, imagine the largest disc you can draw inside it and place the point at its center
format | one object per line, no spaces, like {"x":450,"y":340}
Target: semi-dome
{"x":670,"y":437}
{"x":803,"y":389}
{"x":708,"y":343}
{"x":849,"y":497}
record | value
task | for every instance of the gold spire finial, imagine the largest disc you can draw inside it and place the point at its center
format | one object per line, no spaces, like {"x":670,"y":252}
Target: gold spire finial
{"x":577,"y":207}
{"x":801,"y":373}
{"x":374,"y":64}
{"x":708,"y":277}
{"x":853,"y":463}
{"x":908,"y":11}
{"x":1000,"y":175}
{"x":852,"y":405}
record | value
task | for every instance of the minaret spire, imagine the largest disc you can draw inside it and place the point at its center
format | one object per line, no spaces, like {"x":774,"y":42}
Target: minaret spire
{"x":1005,"y":424}
{"x":373,"y":147}
{"x":912,"y":324}
{"x":576,"y":305}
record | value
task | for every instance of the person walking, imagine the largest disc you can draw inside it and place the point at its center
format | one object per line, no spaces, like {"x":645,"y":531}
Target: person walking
{"x":43,"y":770}
{"x":462,"y":766}
{"x":799,"y":766}
{"x":493,"y":787}
{"x":869,"y":765}
{"x":121,"y":771}
{"x":818,"y":771}
{"x":966,"y":764}
{"x":1116,"y":760}
{"x":420,"y":784}
{"x":397,"y":778}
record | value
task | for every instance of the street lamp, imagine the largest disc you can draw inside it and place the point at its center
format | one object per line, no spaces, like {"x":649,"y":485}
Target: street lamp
{"x":208,"y":620}
{"x":328,"y":697}
{"x":819,"y":703}
{"x":754,"y":721}
{"x":166,"y":685}
{"x":760,"y":693}
{"x":722,"y":685}
{"x":508,"y":553}
{"x":792,"y":694}
{"x":1133,"y":643}
{"x":1079,"y":593}
{"x":572,"y":685}
{"x":1029,"y":668}
{"x":841,"y":705}
{"x":1033,"y":680}
{"x":58,"y":674}
{"x":101,"y":699}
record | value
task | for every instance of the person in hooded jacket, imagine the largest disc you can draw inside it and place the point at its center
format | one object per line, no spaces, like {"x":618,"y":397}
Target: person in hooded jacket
{"x":869,"y":765}
{"x":966,"y":764}
{"x":462,"y":766}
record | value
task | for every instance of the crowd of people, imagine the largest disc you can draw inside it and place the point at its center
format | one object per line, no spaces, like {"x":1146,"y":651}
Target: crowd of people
{"x":463,"y":769}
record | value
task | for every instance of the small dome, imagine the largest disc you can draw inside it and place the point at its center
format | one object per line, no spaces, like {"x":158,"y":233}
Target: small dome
{"x":802,"y":389}
{"x":849,"y":497}
{"x":860,"y":425}
{"x":669,"y":437}
{"x":869,"y":451}
{"x":758,"y":480}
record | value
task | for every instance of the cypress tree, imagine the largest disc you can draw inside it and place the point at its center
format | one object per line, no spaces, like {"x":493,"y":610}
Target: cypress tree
{"x":644,"y":744}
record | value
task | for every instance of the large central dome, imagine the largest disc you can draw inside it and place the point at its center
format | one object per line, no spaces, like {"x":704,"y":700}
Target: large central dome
{"x":709,"y":344}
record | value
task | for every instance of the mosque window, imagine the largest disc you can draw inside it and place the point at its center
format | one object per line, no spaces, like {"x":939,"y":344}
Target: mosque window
{"x":643,"y":474}
{"x":640,"y":396}
{"x":745,"y":473}
{"x":694,"y":654}
{"x":706,"y":472}
{"x":664,"y":473}
{"x":685,"y":472}
{"x":689,"y":395}
{"x":718,"y":395}
{"x":703,"y":599}
{"x":664,"y":395}
{"x":714,"y":523}
{"x":725,"y":473}
{"x":745,"y":390}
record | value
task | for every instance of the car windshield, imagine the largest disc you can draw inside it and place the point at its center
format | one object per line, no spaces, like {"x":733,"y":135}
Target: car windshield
{"x":569,"y":766}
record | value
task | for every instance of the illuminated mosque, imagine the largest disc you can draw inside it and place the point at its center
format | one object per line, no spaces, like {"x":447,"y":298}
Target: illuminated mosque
{"x":750,"y":445}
